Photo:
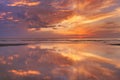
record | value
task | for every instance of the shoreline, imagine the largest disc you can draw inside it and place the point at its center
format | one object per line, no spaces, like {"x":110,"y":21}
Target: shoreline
{"x":17,"y":44}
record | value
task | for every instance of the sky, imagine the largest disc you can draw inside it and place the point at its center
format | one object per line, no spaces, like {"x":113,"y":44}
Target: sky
{"x":59,"y":18}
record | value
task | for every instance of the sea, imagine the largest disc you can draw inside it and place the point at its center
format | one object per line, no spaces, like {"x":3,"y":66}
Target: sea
{"x":60,"y":59}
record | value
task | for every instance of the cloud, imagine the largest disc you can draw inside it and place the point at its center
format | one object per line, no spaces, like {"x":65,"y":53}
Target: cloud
{"x":59,"y":15}
{"x":40,"y":13}
{"x":92,"y":6}
{"x":24,"y":73}
{"x":108,"y":29}
{"x":23,"y":3}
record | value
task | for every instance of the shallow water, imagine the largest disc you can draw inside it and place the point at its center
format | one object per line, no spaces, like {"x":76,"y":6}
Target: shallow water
{"x":60,"y":61}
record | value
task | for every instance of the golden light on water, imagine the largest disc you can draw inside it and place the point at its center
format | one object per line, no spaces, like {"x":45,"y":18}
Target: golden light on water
{"x":71,"y":60}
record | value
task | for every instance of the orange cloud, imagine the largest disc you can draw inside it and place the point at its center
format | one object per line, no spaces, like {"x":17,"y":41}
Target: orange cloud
{"x":24,"y":73}
{"x":86,"y":12}
{"x":24,"y":3}
{"x":93,"y":5}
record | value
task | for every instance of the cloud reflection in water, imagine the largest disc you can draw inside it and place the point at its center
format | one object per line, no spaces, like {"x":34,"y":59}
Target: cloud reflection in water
{"x":60,"y":61}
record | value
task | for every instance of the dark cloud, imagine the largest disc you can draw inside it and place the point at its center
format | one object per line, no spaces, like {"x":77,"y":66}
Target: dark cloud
{"x":42,"y":15}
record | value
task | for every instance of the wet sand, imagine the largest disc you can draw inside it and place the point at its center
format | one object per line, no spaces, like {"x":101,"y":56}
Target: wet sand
{"x":60,"y":61}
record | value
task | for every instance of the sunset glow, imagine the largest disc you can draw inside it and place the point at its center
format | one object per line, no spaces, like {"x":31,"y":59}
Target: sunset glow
{"x":57,"y":18}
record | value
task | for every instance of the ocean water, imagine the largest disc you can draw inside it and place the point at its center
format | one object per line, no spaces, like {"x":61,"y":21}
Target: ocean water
{"x":59,"y":60}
